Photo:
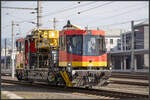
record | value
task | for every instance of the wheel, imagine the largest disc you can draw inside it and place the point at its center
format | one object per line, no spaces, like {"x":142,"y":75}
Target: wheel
{"x":19,"y":76}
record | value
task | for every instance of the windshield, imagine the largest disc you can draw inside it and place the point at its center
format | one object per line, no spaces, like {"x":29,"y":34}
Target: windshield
{"x":74,"y":44}
{"x":91,"y":45}
{"x":86,"y":45}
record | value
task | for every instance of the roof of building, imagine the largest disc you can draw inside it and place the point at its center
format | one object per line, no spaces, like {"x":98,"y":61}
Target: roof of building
{"x":114,"y":32}
{"x":146,"y":22}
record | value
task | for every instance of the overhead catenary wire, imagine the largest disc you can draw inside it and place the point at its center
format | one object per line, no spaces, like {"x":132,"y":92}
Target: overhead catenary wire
{"x":70,"y":8}
{"x":71,"y":15}
{"x":30,"y":21}
{"x":125,"y":22}
{"x":120,"y":14}
{"x":95,"y":7}
{"x":60,"y":11}
{"x":89,"y":9}
{"x":20,"y":8}
{"x":96,"y":13}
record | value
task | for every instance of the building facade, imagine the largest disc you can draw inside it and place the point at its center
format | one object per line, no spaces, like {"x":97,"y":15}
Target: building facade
{"x":121,"y":60}
{"x":6,"y":59}
{"x":112,"y":39}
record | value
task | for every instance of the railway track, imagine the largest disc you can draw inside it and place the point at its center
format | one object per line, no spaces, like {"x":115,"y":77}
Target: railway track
{"x":144,"y":76}
{"x":129,"y":83}
{"x":97,"y":92}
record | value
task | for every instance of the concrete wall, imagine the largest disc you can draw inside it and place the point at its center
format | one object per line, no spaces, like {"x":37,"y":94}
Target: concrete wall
{"x":141,"y":42}
{"x":146,"y":46}
{"x":146,"y":37}
{"x":115,"y":35}
{"x":112,"y":46}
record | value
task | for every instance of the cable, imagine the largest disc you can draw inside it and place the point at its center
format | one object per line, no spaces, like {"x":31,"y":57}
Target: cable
{"x":115,"y":9}
{"x":60,"y":11}
{"x":120,"y":14}
{"x":19,"y":8}
{"x":95,"y":7}
{"x":123,"y":13}
{"x":96,"y":13}
{"x":123,"y":22}
{"x":105,"y":11}
{"x":71,"y":8}
{"x":28,"y":20}
{"x":89,"y":9}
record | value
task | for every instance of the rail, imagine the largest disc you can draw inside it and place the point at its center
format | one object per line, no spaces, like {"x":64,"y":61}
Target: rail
{"x":129,"y":83}
{"x":101,"y":92}
{"x":131,"y":76}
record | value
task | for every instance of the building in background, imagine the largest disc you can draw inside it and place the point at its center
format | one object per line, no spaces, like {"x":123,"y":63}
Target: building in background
{"x":121,"y":60}
{"x":8,"y":52}
{"x":6,"y":58}
{"x":112,"y":39}
{"x":143,"y":28}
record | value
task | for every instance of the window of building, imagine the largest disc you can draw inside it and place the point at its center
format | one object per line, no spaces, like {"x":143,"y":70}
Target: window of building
{"x":118,"y":40}
{"x":111,"y":41}
{"x":106,"y":40}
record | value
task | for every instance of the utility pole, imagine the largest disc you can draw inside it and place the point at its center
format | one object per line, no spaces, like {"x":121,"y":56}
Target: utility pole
{"x":38,"y":13}
{"x":54,"y":21}
{"x":132,"y":47}
{"x":5,"y":53}
{"x":12,"y":54}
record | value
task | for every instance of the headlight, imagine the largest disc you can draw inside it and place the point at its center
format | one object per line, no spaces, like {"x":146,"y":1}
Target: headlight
{"x":110,"y":68}
{"x":69,"y":64}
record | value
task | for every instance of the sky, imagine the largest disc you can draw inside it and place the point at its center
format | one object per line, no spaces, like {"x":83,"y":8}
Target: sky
{"x":92,"y":14}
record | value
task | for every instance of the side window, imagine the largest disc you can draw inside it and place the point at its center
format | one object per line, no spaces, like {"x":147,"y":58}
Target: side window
{"x":62,"y":42}
{"x":104,"y":44}
{"x":101,"y":43}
